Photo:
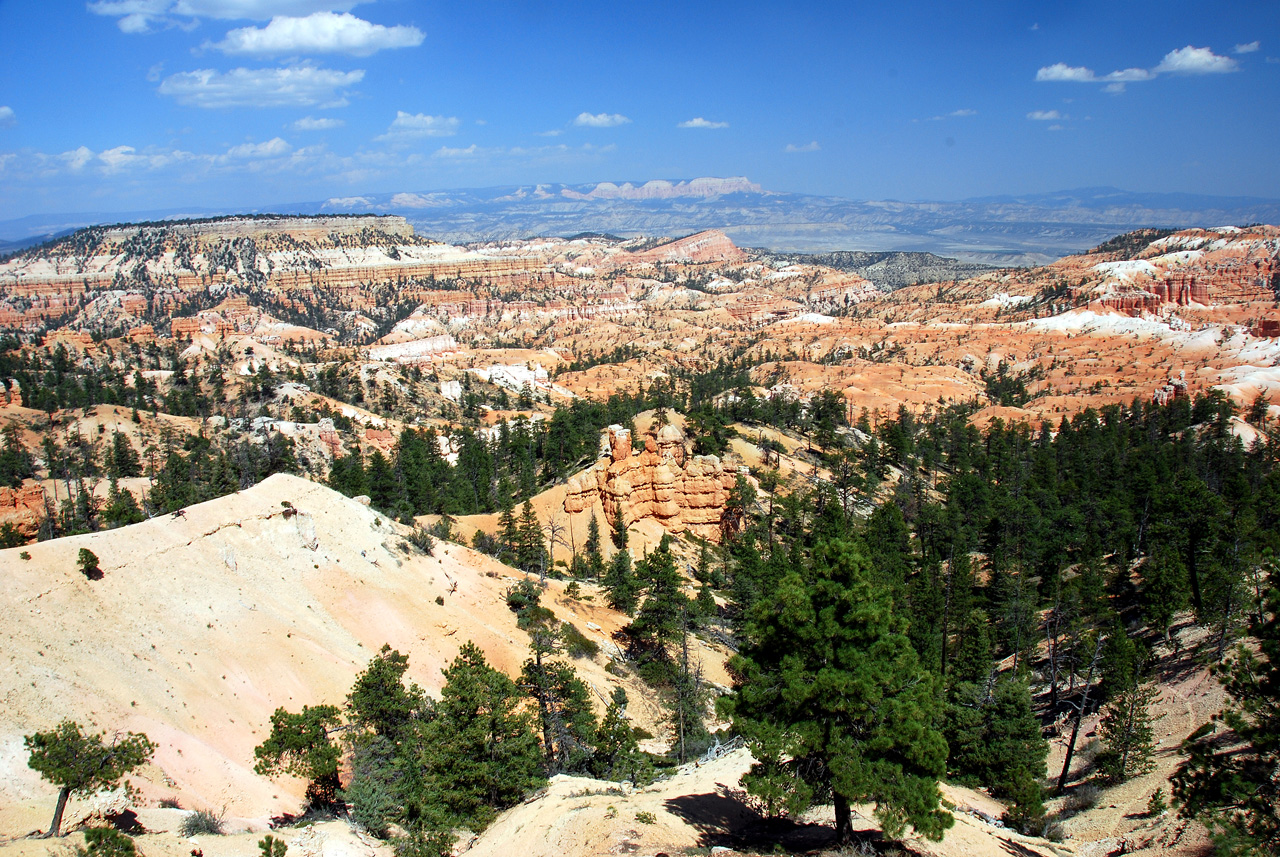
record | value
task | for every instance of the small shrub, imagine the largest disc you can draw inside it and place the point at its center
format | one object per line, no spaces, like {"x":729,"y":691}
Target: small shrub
{"x":106,"y":842}
{"x":443,"y":529}
{"x":578,"y":644}
{"x":1157,"y":804}
{"x":440,"y":600}
{"x":646,"y":818}
{"x":422,"y":540}
{"x":24,"y":555}
{"x":523,"y":595}
{"x":170,"y":803}
{"x":272,"y":847}
{"x":1084,"y":796}
{"x":201,"y":822}
{"x":87,"y":562}
{"x":573,"y":591}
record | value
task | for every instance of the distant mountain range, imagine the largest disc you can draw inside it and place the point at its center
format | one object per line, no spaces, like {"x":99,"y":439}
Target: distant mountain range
{"x":1001,"y":230}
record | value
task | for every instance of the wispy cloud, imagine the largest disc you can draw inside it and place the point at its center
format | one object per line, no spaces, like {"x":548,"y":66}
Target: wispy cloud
{"x":7,"y":116}
{"x":272,"y":148}
{"x":600,"y":120}
{"x":554,"y":132}
{"x":144,"y":16}
{"x":415,"y":126}
{"x":699,"y":122}
{"x":309,"y":123}
{"x":1044,"y":115}
{"x":1061,"y":72}
{"x":1191,"y":60}
{"x":469,"y":152}
{"x":294,"y":86}
{"x":954,"y":114}
{"x":1247,"y":48}
{"x":319,"y":33}
{"x":811,"y":146}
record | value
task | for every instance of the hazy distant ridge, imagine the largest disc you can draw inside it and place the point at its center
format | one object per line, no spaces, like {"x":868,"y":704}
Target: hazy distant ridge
{"x":1024,"y":229}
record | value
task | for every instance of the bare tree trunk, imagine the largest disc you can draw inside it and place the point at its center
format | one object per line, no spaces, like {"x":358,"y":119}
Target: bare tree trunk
{"x":54,"y":826}
{"x":844,"y":819}
{"x":1084,"y":701}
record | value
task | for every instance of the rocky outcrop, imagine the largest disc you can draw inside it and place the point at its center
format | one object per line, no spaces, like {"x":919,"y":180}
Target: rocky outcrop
{"x":659,"y":481}
{"x":24,"y":507}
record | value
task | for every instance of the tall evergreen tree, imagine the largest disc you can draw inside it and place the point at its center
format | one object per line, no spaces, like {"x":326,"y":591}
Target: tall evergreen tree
{"x":831,"y":698}
{"x":1233,"y":785}
{"x":620,"y":584}
{"x":480,"y":751}
{"x":1127,"y":733}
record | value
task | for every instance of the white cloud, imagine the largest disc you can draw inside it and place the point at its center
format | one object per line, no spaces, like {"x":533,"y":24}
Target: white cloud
{"x":1044,"y":115}
{"x":954,"y":114}
{"x":272,"y":148}
{"x":1114,"y":88}
{"x":76,"y":159}
{"x":1128,"y":75}
{"x":258,"y":10}
{"x":295,"y":86}
{"x":699,"y":122}
{"x":118,"y":159}
{"x":811,"y":146}
{"x":319,"y":33}
{"x":600,"y":120}
{"x":136,"y":16}
{"x":1191,"y":60}
{"x":7,"y":116}
{"x":412,"y":126}
{"x":1055,"y":127}
{"x":1247,"y":48}
{"x":141,"y":16}
{"x":308,"y":123}
{"x":447,"y":152}
{"x":1060,"y":72}
{"x":555,"y":132}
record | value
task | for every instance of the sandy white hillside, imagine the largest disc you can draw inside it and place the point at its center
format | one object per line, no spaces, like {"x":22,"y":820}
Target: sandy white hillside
{"x":204,"y":624}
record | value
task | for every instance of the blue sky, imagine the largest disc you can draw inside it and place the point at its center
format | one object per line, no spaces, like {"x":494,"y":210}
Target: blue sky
{"x":127,"y":105}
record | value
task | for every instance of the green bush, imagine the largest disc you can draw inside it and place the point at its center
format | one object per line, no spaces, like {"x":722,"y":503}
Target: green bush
{"x":578,"y":644}
{"x":201,"y":822}
{"x":106,"y":842}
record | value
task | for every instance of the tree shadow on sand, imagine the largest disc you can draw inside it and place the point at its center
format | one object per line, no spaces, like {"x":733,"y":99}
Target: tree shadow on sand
{"x":728,"y":818}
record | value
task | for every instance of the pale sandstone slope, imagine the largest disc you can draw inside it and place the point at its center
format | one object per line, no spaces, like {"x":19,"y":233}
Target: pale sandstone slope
{"x":204,"y":624}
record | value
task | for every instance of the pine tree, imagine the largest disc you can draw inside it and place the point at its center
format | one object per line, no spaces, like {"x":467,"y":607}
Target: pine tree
{"x":301,"y":745}
{"x":595,"y":557}
{"x":1127,"y":734}
{"x":531,"y":553}
{"x":508,"y":531}
{"x":620,"y":584}
{"x":618,"y":529}
{"x":832,"y":700}
{"x":480,"y":752}
{"x":617,"y":755}
{"x":662,"y":613}
{"x":81,"y":764}
{"x":379,"y":701}
{"x":995,"y":741}
{"x":1234,"y":786}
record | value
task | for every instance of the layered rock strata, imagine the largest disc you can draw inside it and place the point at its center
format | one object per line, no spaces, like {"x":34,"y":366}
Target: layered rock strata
{"x":660,"y":481}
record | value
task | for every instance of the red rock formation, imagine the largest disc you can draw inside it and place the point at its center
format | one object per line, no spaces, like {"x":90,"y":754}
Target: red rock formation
{"x":24,"y":507}
{"x":659,"y":482}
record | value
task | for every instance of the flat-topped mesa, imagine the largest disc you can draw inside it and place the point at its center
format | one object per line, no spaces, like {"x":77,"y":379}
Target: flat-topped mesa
{"x":661,"y":481}
{"x":298,"y":228}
